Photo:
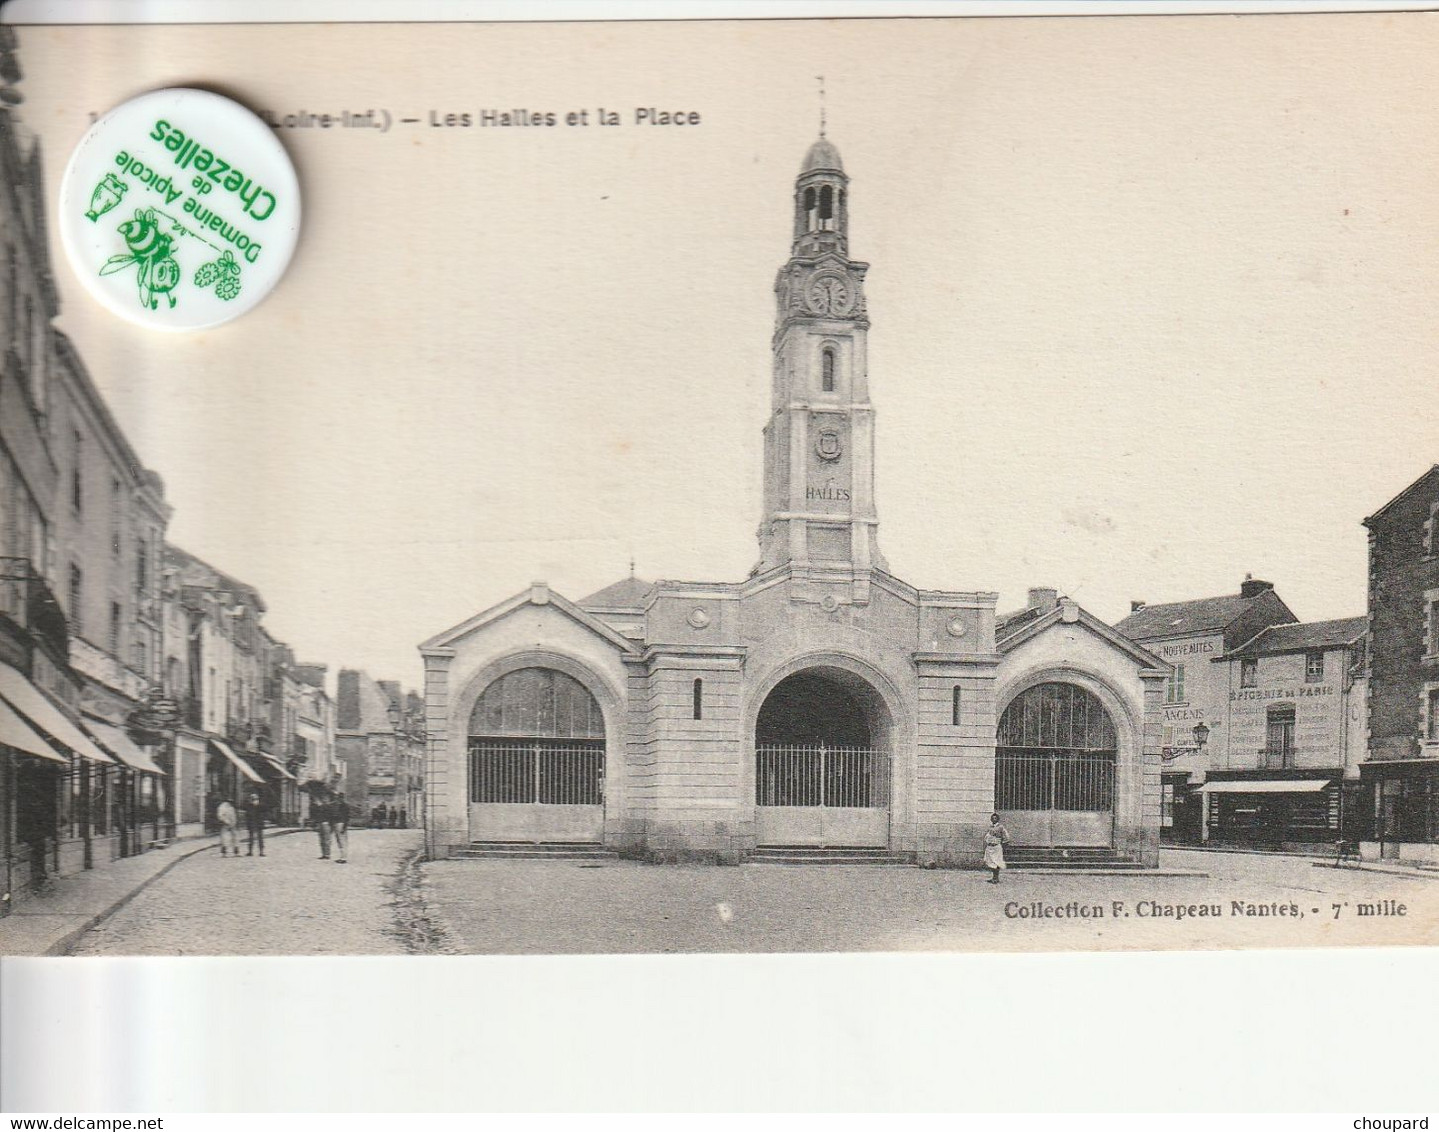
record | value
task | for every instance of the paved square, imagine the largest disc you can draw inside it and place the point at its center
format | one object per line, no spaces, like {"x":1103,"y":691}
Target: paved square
{"x":538,"y":906}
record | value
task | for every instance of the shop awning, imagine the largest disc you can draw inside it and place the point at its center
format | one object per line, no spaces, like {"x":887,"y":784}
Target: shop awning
{"x":244,"y":767}
{"x":1398,"y":768}
{"x":1274,"y":786}
{"x":15,"y":732}
{"x":121,"y":746}
{"x":269,"y":764}
{"x":40,"y":713}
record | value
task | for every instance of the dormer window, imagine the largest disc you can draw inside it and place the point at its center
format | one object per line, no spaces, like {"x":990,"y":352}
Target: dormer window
{"x":826,"y":369}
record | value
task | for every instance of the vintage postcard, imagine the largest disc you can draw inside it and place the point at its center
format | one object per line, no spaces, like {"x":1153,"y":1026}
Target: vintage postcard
{"x":781,"y":486}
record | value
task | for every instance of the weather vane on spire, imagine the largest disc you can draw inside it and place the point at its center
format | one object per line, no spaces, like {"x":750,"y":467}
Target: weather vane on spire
{"x":821,"y":104}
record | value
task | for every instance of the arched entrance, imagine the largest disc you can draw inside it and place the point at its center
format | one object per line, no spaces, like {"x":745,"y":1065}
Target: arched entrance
{"x":822,"y":762}
{"x":1054,"y":768}
{"x":536,"y":760}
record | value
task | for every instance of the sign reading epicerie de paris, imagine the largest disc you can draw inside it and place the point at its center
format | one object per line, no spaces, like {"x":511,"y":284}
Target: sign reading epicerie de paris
{"x":179,"y":210}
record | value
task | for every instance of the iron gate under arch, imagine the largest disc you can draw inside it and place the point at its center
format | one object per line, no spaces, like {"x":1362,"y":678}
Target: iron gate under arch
{"x":813,"y":774}
{"x":822,"y":769}
{"x":536,"y":749}
{"x":1054,"y":768}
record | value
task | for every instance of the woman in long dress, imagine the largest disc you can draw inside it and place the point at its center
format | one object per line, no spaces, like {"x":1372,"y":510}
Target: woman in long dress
{"x":995,"y":838}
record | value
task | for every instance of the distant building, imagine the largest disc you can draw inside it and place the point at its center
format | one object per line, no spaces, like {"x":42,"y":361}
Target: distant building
{"x":1192,"y":636}
{"x":229,"y":676}
{"x":1402,"y":768}
{"x":314,"y":739}
{"x":379,"y":746}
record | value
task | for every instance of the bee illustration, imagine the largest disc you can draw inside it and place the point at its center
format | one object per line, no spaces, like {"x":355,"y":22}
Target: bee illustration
{"x":159,"y":273}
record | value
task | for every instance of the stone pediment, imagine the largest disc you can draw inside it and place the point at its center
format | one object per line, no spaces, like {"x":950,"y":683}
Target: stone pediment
{"x":538,"y":594}
{"x":1069,"y":613}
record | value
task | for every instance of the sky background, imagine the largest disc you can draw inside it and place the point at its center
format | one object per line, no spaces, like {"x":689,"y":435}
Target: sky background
{"x":1152,"y":305}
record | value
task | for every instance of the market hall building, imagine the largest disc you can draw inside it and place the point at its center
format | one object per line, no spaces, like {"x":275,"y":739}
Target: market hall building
{"x":821,"y":702}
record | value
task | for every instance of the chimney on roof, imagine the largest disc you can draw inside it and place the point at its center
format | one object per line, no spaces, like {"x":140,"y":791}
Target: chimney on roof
{"x":1253,"y":587}
{"x":1136,"y":606}
{"x":1042,"y":598}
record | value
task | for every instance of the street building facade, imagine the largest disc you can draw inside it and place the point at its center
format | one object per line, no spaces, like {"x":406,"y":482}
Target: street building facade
{"x":1263,"y":728}
{"x":821,"y":702}
{"x":253,"y":718}
{"x":138,"y":684}
{"x":1295,"y":720}
{"x":315,"y":728}
{"x":1401,"y":772}
{"x":1191,"y":636}
{"x":81,"y":525}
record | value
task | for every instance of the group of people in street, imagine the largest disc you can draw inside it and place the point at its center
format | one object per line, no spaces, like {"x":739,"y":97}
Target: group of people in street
{"x":392,"y":817}
{"x":329,"y":813}
{"x":228,"y":817}
{"x":331,"y":816}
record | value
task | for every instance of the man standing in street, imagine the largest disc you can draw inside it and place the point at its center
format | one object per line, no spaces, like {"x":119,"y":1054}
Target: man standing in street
{"x":254,"y":824}
{"x":227,"y":817}
{"x":320,"y":815}
{"x":339,"y":811}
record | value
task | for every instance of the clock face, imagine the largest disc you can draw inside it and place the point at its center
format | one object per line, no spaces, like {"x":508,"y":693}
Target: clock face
{"x":830,"y":294}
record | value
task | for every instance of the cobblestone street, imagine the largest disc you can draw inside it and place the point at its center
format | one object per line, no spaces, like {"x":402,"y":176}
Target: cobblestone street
{"x":538,"y":906}
{"x":286,"y":903}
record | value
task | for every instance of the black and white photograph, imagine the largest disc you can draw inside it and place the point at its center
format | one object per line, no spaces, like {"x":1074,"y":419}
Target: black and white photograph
{"x":948,"y":485}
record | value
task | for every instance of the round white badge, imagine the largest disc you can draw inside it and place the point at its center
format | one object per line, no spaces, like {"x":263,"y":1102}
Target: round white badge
{"x":179,"y":210}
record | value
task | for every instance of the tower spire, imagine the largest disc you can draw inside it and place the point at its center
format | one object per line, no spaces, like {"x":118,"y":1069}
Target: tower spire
{"x":819,"y":513}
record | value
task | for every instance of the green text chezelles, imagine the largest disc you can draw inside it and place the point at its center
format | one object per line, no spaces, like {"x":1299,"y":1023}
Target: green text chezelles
{"x":191,"y":154}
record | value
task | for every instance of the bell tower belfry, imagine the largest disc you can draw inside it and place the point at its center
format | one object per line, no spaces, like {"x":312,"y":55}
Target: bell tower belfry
{"x":819,"y":514}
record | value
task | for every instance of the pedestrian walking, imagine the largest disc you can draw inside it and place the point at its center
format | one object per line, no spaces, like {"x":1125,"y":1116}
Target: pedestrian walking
{"x":404,"y":821}
{"x":320,"y":815}
{"x":254,"y":824}
{"x":394,"y":818}
{"x":995,"y":839}
{"x":339,"y":811}
{"x":377,"y":817}
{"x":227,"y":817}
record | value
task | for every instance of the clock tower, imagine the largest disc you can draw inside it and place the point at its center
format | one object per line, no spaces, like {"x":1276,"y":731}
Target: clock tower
{"x":819,"y":515}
